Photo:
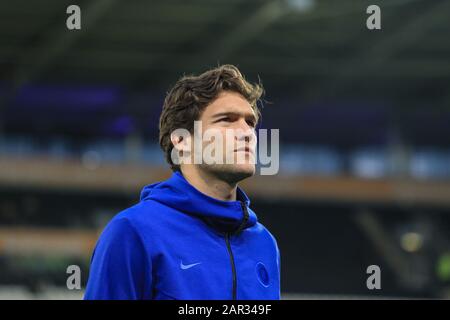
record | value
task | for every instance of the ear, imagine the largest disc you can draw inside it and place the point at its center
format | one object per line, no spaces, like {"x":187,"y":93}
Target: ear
{"x":181,"y":140}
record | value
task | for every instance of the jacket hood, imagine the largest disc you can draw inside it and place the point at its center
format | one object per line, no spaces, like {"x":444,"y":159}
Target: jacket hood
{"x":177,"y":193}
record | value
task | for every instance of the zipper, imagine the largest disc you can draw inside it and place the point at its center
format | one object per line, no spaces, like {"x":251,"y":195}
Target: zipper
{"x":233,"y":266}
{"x":230,"y":252}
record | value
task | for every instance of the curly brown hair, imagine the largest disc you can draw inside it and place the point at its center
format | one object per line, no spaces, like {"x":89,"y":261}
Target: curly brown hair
{"x":191,"y":94}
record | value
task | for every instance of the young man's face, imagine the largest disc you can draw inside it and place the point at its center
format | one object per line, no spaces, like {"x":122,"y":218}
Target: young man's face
{"x":232,"y":118}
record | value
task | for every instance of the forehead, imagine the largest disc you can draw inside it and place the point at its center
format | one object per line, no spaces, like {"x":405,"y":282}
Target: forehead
{"x":229,"y":101}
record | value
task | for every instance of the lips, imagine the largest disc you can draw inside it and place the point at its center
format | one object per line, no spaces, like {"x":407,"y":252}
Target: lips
{"x":245,"y":149}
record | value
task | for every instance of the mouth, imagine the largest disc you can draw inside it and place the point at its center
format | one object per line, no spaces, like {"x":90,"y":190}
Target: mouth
{"x":245,"y":149}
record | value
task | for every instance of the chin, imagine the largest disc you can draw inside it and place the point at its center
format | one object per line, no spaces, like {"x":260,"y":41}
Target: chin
{"x":246,"y":170}
{"x":233,"y":173}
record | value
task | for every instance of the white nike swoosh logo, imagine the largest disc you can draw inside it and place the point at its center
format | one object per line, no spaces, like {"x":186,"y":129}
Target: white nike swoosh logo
{"x":187,"y":266}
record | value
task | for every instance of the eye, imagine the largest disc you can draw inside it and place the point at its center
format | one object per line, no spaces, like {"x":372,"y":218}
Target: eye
{"x":251,"y":123}
{"x":226,"y":119}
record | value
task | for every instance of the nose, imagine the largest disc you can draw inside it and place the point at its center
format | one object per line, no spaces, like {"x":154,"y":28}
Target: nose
{"x":245,"y":132}
{"x":243,"y":125}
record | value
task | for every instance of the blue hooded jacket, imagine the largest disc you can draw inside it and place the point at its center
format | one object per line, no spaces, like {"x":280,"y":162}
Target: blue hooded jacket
{"x":178,"y":243}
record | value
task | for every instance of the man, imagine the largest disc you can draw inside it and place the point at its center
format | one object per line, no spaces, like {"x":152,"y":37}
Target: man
{"x":194,"y":236}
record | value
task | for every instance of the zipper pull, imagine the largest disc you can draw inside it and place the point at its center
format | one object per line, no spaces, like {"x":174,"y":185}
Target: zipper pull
{"x":245,"y":218}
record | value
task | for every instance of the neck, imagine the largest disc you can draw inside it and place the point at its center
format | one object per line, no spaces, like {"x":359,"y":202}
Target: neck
{"x":209,"y":184}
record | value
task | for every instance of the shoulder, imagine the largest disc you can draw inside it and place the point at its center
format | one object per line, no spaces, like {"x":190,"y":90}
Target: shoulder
{"x":268,"y":236}
{"x":144,"y":220}
{"x":140,"y":213}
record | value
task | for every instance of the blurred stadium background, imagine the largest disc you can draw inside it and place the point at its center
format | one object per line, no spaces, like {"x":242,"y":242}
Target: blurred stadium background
{"x":364,"y":119}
